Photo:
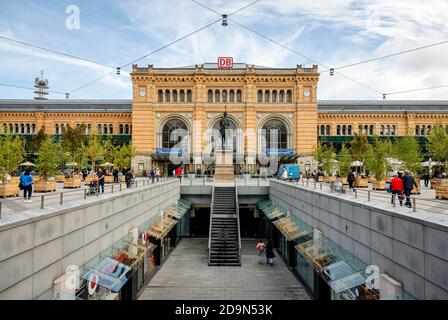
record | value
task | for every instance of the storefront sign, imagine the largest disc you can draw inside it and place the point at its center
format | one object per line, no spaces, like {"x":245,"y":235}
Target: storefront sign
{"x":269,"y":151}
{"x":170,"y":151}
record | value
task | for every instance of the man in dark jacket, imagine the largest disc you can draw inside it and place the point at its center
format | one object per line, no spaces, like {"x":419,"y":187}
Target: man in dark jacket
{"x":128,"y":178}
{"x":101,"y":181}
{"x":351,"y":180}
{"x":408,"y":185}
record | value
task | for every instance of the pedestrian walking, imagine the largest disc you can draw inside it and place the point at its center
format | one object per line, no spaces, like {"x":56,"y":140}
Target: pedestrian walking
{"x":270,"y":255}
{"x":157,"y":174}
{"x":426,"y":179}
{"x":396,"y":187}
{"x":26,"y":184}
{"x":115,"y":174}
{"x":128,"y":178}
{"x":261,"y":248}
{"x":152,"y":175}
{"x":101,"y":181}
{"x":351,"y":180}
{"x":179,"y":173}
{"x":408,"y":185}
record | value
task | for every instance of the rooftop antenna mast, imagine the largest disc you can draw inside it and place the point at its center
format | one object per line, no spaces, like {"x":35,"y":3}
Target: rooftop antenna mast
{"x":41,"y":85}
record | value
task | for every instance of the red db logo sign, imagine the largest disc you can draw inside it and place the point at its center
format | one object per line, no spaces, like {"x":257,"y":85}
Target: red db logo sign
{"x":225,"y":62}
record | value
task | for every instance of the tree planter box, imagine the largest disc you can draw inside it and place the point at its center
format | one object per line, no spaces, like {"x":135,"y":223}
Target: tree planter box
{"x":330,"y":179}
{"x":109,"y":179}
{"x":59,"y":178}
{"x":370,"y":179}
{"x":361,"y":182}
{"x":379,"y":185}
{"x":10,"y":190}
{"x":320,"y":179}
{"x":45,"y":186}
{"x":37,"y":178}
{"x":442,"y":192}
{"x":435,"y":183}
{"x":74,"y":182}
{"x":88,"y":180}
{"x":122,"y":179}
{"x":344,"y":181}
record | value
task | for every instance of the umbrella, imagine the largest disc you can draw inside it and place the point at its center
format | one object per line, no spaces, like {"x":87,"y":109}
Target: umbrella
{"x":430,"y":163}
{"x":27,"y":164}
{"x":71,"y":164}
{"x":107,"y":164}
{"x":356,"y":163}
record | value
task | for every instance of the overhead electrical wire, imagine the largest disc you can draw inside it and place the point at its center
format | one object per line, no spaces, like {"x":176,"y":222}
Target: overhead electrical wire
{"x":388,"y":55}
{"x":28,"y":88}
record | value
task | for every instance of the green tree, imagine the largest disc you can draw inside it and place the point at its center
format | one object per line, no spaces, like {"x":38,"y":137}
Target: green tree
{"x":12,"y":153}
{"x":109,"y":150}
{"x":358,"y":146}
{"x":328,"y":157}
{"x":438,"y":143}
{"x":48,"y":158}
{"x":376,"y":158}
{"x":407,"y":150}
{"x":73,"y":140}
{"x":94,"y":149}
{"x":40,"y":137}
{"x":345,"y":161}
{"x":123,"y":156}
{"x":318,"y":151}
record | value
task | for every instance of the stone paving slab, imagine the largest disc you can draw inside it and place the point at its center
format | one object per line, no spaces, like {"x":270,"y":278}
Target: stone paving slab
{"x":186,"y":275}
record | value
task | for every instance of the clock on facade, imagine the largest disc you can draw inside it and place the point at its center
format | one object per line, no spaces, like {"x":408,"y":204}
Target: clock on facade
{"x":142,"y":93}
{"x":306,"y":93}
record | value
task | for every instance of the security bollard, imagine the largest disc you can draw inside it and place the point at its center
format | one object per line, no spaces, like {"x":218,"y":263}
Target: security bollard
{"x":0,"y":209}
{"x":393,"y":201}
{"x":414,"y":202}
{"x":41,"y":202}
{"x":314,"y":185}
{"x":120,"y":186}
{"x":307,"y":183}
{"x":61,"y":199}
{"x":321,"y":186}
{"x":85,"y":194}
{"x":368,"y":195}
{"x":356,"y":194}
{"x":112,"y":189}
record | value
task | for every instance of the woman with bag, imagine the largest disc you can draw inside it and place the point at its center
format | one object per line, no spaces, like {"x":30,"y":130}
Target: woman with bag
{"x":270,"y":255}
{"x":261,"y":250}
{"x":26,"y":184}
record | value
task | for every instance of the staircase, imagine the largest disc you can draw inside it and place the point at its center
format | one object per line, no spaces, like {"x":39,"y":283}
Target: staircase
{"x":224,"y":239}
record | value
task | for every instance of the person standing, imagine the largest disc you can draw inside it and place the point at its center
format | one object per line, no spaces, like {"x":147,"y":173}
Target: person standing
{"x":426,"y":179}
{"x":270,"y":255}
{"x":408,"y":185}
{"x":284,"y":174}
{"x":152,"y":175}
{"x":396,"y":187}
{"x":101,"y":181}
{"x":26,"y":181}
{"x":261,"y":251}
{"x":351,"y":180}
{"x":115,"y":173}
{"x":128,"y":178}
{"x":179,"y":173}
{"x":157,"y":174}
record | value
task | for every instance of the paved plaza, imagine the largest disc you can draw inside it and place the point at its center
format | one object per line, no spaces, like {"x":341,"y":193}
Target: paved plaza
{"x":186,"y":275}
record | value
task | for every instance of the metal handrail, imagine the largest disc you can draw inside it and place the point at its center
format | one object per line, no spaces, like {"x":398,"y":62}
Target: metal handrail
{"x":238,"y":215}
{"x":75,"y":194}
{"x":210,"y":226}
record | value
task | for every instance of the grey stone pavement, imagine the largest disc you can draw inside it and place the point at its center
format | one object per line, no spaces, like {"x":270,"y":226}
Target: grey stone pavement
{"x":186,"y":275}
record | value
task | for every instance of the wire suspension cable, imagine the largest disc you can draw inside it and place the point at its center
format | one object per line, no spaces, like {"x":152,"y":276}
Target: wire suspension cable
{"x":56,"y":52}
{"x":389,"y":55}
{"x":27,"y":88}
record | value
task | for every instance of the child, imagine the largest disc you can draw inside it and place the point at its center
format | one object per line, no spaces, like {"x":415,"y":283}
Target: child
{"x":261,"y":248}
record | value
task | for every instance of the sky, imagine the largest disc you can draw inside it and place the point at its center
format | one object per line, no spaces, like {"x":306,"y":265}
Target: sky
{"x":331,"y":32}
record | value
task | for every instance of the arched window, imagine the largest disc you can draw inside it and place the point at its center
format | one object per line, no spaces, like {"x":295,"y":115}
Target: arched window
{"x":5,"y":128}
{"x":417,"y":130}
{"x":89,"y":128}
{"x":350,"y":130}
{"x":160,"y":93}
{"x":16,"y":130}
{"x":174,"y":95}
{"x":327,"y":130}
{"x":281,"y":96}
{"x":232,"y":96}
{"x":28,"y":128}
{"x":11,"y":128}
{"x":382,"y":130}
{"x":276,"y":134}
{"x":371,"y":131}
{"x":289,"y":96}
{"x":344,"y":130}
{"x":239,"y":96}
{"x":126,"y":129}
{"x":217,"y":96}
{"x":274,"y":96}
{"x":210,"y":95}
{"x":428,"y":130}
{"x":224,"y":95}
{"x":338,"y":130}
{"x":167,"y":95}
{"x":189,"y":96}
{"x":121,"y":129}
{"x":365,"y":130}
{"x":422,"y":130}
{"x":260,"y":96}
{"x":111,"y":129}
{"x":100,"y":129}
{"x":392,"y":132}
{"x":175,"y":133}
{"x":267,"y":96}
{"x":318,"y":133}
{"x":387,"y":130}
{"x":322,"y":130}
{"x":22,"y":128}
{"x":182,"y":95}
{"x":105,"y":129}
